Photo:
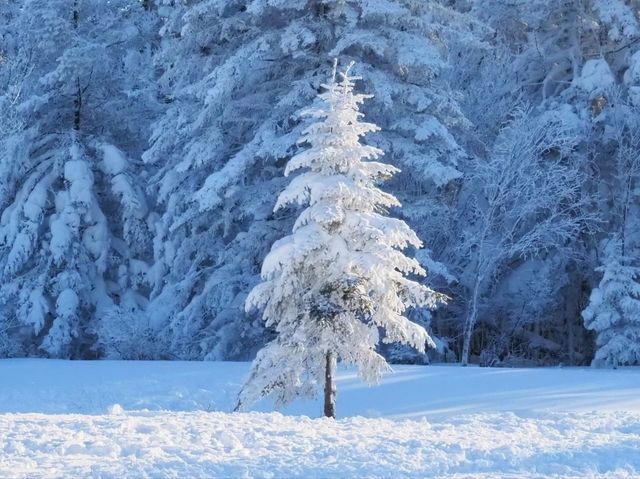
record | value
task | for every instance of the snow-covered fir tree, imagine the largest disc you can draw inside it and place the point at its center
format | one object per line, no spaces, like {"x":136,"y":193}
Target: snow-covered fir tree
{"x":73,"y":229}
{"x":614,"y":305}
{"x":340,"y":283}
{"x":613,"y":312}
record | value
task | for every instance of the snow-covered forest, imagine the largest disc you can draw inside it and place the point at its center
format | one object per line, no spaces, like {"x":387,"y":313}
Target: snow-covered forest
{"x":143,"y":147}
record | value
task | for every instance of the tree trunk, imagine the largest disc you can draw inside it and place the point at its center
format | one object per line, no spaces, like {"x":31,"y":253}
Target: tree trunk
{"x":329,"y":386}
{"x":77,"y":101}
{"x":76,"y":13}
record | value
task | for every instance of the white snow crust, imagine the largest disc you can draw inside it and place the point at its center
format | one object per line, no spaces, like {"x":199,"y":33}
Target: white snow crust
{"x":110,"y":419}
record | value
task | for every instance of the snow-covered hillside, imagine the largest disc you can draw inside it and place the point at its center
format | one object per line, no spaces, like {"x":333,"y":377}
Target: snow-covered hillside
{"x":171,"y":419}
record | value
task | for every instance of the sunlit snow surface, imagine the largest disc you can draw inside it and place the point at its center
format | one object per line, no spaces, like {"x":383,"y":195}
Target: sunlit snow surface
{"x":87,"y":419}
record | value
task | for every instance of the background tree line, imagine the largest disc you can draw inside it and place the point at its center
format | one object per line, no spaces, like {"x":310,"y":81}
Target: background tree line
{"x":143,"y":144}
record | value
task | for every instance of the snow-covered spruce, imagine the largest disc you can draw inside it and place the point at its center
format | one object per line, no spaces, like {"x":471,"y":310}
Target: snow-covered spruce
{"x":614,"y":310}
{"x":339,"y":282}
{"x":74,"y":238}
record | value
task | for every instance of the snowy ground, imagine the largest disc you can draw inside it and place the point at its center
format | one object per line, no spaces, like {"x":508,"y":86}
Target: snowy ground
{"x":88,"y":419}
